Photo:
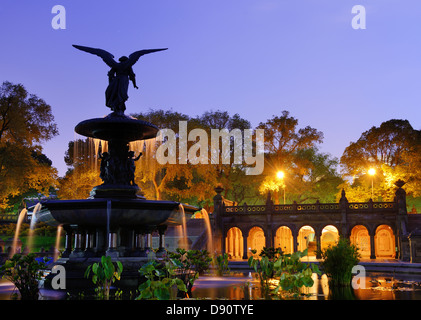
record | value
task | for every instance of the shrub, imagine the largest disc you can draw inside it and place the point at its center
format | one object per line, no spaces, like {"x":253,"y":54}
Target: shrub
{"x":190,"y":264}
{"x":221,"y":264}
{"x":24,"y":271}
{"x":160,"y":281}
{"x":104,"y":274}
{"x":338,"y":262}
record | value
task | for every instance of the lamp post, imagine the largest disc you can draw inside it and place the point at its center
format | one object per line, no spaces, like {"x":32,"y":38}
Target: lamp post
{"x":280,"y":175}
{"x":372,"y":172}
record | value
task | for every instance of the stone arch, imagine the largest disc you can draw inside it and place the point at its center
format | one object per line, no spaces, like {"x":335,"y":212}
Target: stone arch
{"x":284,"y":239}
{"x":234,"y":243}
{"x":384,"y":242}
{"x":307,"y":240}
{"x":360,"y":237}
{"x":329,"y":236}
{"x":256,"y":240}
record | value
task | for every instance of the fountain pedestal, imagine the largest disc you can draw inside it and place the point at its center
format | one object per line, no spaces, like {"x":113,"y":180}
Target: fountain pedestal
{"x":116,"y":220}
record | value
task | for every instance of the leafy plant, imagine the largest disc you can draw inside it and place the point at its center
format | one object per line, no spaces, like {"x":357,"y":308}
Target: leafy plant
{"x":160,"y":281}
{"x":24,"y":271}
{"x":265,"y":270}
{"x":294,"y":274}
{"x":271,"y":253}
{"x":191,"y":264}
{"x":288,"y":270}
{"x":221,"y":264}
{"x":104,"y":274}
{"x":338,"y":261}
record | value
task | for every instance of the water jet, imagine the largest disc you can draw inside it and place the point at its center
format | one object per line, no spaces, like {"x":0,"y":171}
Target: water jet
{"x":116,"y":219}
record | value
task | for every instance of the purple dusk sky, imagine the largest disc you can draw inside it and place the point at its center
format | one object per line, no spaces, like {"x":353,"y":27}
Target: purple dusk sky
{"x":252,"y":57}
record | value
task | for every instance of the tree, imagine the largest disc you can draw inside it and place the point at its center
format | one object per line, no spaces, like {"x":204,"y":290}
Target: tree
{"x":81,"y":158}
{"x":179,"y":181}
{"x":237,"y":185}
{"x":293,"y":151}
{"x":26,"y":121}
{"x":393,"y":150}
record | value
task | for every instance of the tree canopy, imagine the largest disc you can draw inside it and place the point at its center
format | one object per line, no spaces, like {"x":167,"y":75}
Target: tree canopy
{"x":393,"y":151}
{"x":26,"y":121}
{"x":307,"y":174}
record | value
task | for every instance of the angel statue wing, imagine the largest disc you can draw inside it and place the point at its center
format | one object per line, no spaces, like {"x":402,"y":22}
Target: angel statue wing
{"x":137,"y":54}
{"x":105,"y":55}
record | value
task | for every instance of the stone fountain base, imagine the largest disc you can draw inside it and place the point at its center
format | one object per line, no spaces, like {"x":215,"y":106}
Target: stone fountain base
{"x":75,"y":269}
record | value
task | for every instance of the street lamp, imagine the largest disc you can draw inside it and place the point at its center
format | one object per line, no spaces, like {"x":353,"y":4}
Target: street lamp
{"x":280,"y":175}
{"x":372,"y":172}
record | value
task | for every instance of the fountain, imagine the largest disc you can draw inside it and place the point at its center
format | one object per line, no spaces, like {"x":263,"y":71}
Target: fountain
{"x":116,"y":219}
{"x":22,"y":215}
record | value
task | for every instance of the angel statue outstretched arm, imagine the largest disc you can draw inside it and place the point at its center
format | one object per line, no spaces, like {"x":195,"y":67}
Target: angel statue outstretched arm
{"x":119,"y":75}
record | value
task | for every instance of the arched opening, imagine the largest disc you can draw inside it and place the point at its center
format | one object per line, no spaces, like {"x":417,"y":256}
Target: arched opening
{"x":384,"y":242}
{"x":284,"y":240}
{"x":330,"y":237}
{"x":234,"y":243}
{"x":256,"y":241}
{"x":307,"y":240}
{"x":361,"y":239}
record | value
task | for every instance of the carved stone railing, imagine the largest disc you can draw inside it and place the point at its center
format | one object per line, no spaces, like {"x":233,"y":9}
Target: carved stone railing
{"x":310,"y":208}
{"x":4,"y":218}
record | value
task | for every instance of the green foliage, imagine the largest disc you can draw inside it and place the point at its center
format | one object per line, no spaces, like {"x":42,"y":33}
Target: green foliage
{"x":393,"y":150}
{"x":264,"y":268}
{"x":271,"y":253}
{"x":221,"y":264}
{"x":104,"y":274}
{"x":160,"y":280}
{"x":25,"y":122}
{"x":24,"y":272}
{"x":338,"y":262}
{"x":191,"y":263}
{"x":291,"y":273}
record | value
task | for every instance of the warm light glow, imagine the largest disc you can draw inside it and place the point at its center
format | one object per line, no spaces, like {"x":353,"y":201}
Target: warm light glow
{"x":371,"y":172}
{"x":280,"y":174}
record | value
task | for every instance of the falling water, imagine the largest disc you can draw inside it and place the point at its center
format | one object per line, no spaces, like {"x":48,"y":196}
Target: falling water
{"x":137,"y":145}
{"x":148,"y":160}
{"x":37,"y":208}
{"x":205,"y":216}
{"x":22,"y":215}
{"x":58,"y":238}
{"x":108,"y":218}
{"x":184,"y":242}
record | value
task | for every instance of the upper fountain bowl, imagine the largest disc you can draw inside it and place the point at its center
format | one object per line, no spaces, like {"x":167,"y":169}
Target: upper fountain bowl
{"x":117,"y":127}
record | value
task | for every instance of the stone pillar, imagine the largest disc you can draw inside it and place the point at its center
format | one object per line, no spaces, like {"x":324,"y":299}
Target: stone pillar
{"x":372,"y":247}
{"x":415,"y":246}
{"x":343,"y":207}
{"x":140,"y":244}
{"x":89,"y":244}
{"x":78,"y":244}
{"x":218,"y":211}
{"x":161,"y":249}
{"x":401,"y":220}
{"x":318,"y":244}
{"x":294,"y":243}
{"x":68,"y":242}
{"x":245,"y":248}
{"x":112,"y":245}
{"x":148,"y":244}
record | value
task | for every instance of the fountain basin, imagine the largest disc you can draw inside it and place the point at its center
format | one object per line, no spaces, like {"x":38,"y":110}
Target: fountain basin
{"x":124,"y":212}
{"x":117,"y":127}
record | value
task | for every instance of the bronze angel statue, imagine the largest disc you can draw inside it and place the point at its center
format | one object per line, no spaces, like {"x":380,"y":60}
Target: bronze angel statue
{"x":119,"y":76}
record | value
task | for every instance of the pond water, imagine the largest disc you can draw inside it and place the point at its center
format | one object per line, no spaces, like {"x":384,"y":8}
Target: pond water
{"x":377,"y":287}
{"x":246,"y":286}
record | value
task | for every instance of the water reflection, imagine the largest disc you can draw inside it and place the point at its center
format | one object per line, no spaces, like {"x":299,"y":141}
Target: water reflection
{"x":247,"y":287}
